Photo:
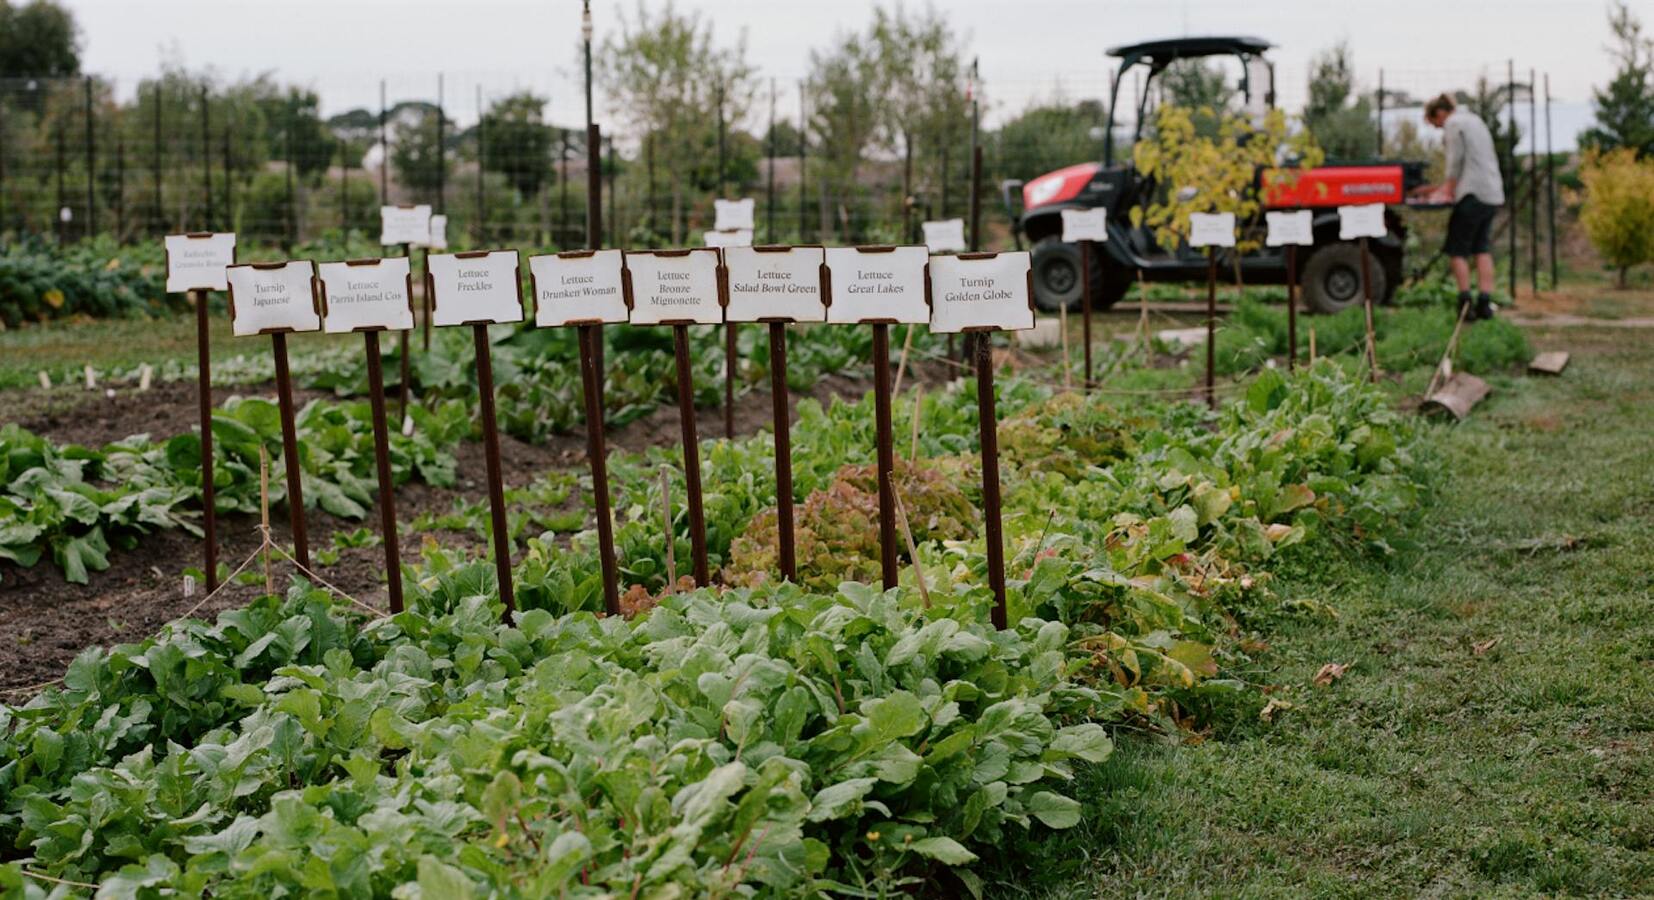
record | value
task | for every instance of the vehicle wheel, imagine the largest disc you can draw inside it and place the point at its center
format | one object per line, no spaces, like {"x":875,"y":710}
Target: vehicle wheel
{"x":1331,"y":280}
{"x":1056,"y":268}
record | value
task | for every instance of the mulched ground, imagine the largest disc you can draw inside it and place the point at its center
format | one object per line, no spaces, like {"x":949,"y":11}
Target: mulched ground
{"x":45,"y":621}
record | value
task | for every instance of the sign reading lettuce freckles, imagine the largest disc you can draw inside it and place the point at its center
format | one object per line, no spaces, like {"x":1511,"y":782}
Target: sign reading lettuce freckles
{"x":781,"y":283}
{"x":475,"y":288}
{"x":980,"y":291}
{"x":365,"y":294}
{"x":877,"y":284}
{"x":273,"y":298}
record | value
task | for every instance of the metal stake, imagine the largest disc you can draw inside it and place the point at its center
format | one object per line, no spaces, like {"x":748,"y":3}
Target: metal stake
{"x":591,"y":381}
{"x":886,"y":454}
{"x":209,"y":507}
{"x":691,"y":454}
{"x":290,"y":450}
{"x":1367,"y":296}
{"x":988,"y":425}
{"x":491,"y":455}
{"x":382,"y":459}
{"x":783,"y":450}
{"x":1211,"y":327}
{"x":1085,"y":307}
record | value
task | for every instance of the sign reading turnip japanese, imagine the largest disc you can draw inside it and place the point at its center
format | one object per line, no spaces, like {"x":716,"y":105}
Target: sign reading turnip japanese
{"x":774,"y":283}
{"x":198,"y":261}
{"x":675,"y":286}
{"x":1290,"y":227}
{"x":1212,"y":229}
{"x":404,"y":224}
{"x":946,"y":236}
{"x":877,"y":284}
{"x":980,"y":290}
{"x":1085,"y":224}
{"x":268,"y":298}
{"x":366,"y":294}
{"x":1366,"y":220}
{"x":475,"y":288}
{"x":578,"y":287}
{"x":730,"y":215}
{"x":740,"y":237}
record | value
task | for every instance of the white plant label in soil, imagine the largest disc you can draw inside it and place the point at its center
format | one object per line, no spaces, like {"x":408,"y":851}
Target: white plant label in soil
{"x":273,"y":298}
{"x":438,"y":238}
{"x":366,"y":294}
{"x":774,"y":284}
{"x":676,"y":286}
{"x":740,"y":237}
{"x":878,"y":285}
{"x":198,"y":263}
{"x":980,"y":292}
{"x":946,"y":236}
{"x":730,"y":215}
{"x":470,"y":288}
{"x":1085,"y":224}
{"x":578,"y":286}
{"x":1366,"y":220}
{"x":1212,"y":229}
{"x":404,"y":224}
{"x":1290,"y":227}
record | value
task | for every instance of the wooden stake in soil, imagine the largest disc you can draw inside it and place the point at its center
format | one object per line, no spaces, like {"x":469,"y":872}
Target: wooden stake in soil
{"x":1085,"y":307}
{"x":1367,"y":304}
{"x":482,"y":288}
{"x":382,"y":462}
{"x":729,"y":380}
{"x":406,"y":364}
{"x":1291,"y":307}
{"x":783,"y":451}
{"x":988,"y":429}
{"x":290,"y":450}
{"x":691,"y":454}
{"x":1211,"y":327}
{"x":209,"y":505}
{"x":886,"y":455}
{"x":597,"y":453}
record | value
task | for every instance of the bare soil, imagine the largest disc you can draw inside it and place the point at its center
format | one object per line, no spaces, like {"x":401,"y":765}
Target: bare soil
{"x":45,"y":621}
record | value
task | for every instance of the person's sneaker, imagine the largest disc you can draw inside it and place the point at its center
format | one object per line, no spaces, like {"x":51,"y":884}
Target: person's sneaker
{"x":1484,"y":306}
{"x":1465,"y":312}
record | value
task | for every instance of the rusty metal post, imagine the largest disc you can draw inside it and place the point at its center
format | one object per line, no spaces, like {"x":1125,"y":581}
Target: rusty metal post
{"x":988,"y":426}
{"x":491,"y":454}
{"x":783,"y":451}
{"x":209,"y":507}
{"x":1085,"y":309}
{"x":597,"y":454}
{"x":382,"y":460}
{"x":1211,"y":327}
{"x":1291,"y":307}
{"x":290,"y":450}
{"x":886,"y":455}
{"x":691,"y":454}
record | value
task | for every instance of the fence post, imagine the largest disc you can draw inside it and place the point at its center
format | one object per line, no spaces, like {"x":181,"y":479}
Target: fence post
{"x":160,"y":202}
{"x":287,"y":139}
{"x":62,"y":200}
{"x":769,"y":215}
{"x":481,"y":230}
{"x":384,"y":152}
{"x":91,"y":167}
{"x":1550,"y":181}
{"x":1533,"y":185}
{"x":1510,"y":169}
{"x":1379,"y":121}
{"x":120,"y":187}
{"x":441,"y":151}
{"x":803,"y":154}
{"x":206,"y":158}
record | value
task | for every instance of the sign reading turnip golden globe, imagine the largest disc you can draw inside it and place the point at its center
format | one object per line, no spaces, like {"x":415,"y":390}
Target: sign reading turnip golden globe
{"x":405,"y":224}
{"x":675,"y":287}
{"x":877,"y":284}
{"x":980,"y":290}
{"x":273,"y":297}
{"x":577,"y":287}
{"x":366,"y":295}
{"x":774,"y":283}
{"x":478,"y":288}
{"x":198,"y":261}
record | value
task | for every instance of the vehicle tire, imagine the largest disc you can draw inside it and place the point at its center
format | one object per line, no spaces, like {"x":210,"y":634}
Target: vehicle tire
{"x":1331,"y":280}
{"x":1056,"y":269}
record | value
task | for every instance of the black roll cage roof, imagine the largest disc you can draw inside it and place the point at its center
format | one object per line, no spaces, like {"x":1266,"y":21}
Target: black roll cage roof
{"x":1157,"y":55}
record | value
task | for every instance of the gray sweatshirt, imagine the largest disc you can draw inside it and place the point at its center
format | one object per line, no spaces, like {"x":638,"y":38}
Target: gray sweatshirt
{"x":1472,"y":162}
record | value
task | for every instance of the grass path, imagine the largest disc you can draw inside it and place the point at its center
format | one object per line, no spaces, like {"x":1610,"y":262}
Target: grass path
{"x":1494,"y":733}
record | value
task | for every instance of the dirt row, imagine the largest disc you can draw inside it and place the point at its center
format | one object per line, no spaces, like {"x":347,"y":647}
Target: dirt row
{"x":45,"y":621}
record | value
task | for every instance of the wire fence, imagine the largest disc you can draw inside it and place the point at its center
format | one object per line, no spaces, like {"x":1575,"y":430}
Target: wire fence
{"x":84,"y":156}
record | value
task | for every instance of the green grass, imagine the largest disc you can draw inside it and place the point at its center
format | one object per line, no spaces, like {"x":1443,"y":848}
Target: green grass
{"x":1429,"y":768}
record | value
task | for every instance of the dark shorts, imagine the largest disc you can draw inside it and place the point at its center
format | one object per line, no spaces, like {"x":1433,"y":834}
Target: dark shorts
{"x":1470,"y":228}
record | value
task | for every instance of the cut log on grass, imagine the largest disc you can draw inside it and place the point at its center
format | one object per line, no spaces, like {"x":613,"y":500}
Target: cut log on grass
{"x":1457,"y":395}
{"x":1551,"y":362}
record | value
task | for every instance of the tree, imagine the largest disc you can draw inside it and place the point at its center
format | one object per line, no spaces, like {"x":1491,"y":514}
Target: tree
{"x":39,"y":40}
{"x":356,"y":130}
{"x":1625,"y":107}
{"x":844,"y":120}
{"x":1618,"y":214}
{"x":415,"y":154}
{"x":294,"y":116}
{"x":920,"y":67}
{"x":1344,"y":129}
{"x":517,"y":142}
{"x":1048,"y":136}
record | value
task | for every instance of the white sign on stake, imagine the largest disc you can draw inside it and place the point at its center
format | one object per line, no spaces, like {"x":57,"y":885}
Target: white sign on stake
{"x":404,"y":224}
{"x":438,"y":238}
{"x":580,"y":286}
{"x":1366,"y":220}
{"x":740,"y":237}
{"x":774,"y":283}
{"x":1085,"y":224}
{"x":980,"y":290}
{"x":1292,"y":227}
{"x":475,"y":288}
{"x":279,"y":297}
{"x":198,"y":261}
{"x":877,"y":284}
{"x":675,"y":286}
{"x":1212,"y":229}
{"x":366,"y":294}
{"x":730,"y":215}
{"x":946,"y":236}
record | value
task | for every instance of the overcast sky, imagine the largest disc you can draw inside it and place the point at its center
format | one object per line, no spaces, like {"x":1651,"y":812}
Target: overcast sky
{"x":1028,"y":48}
